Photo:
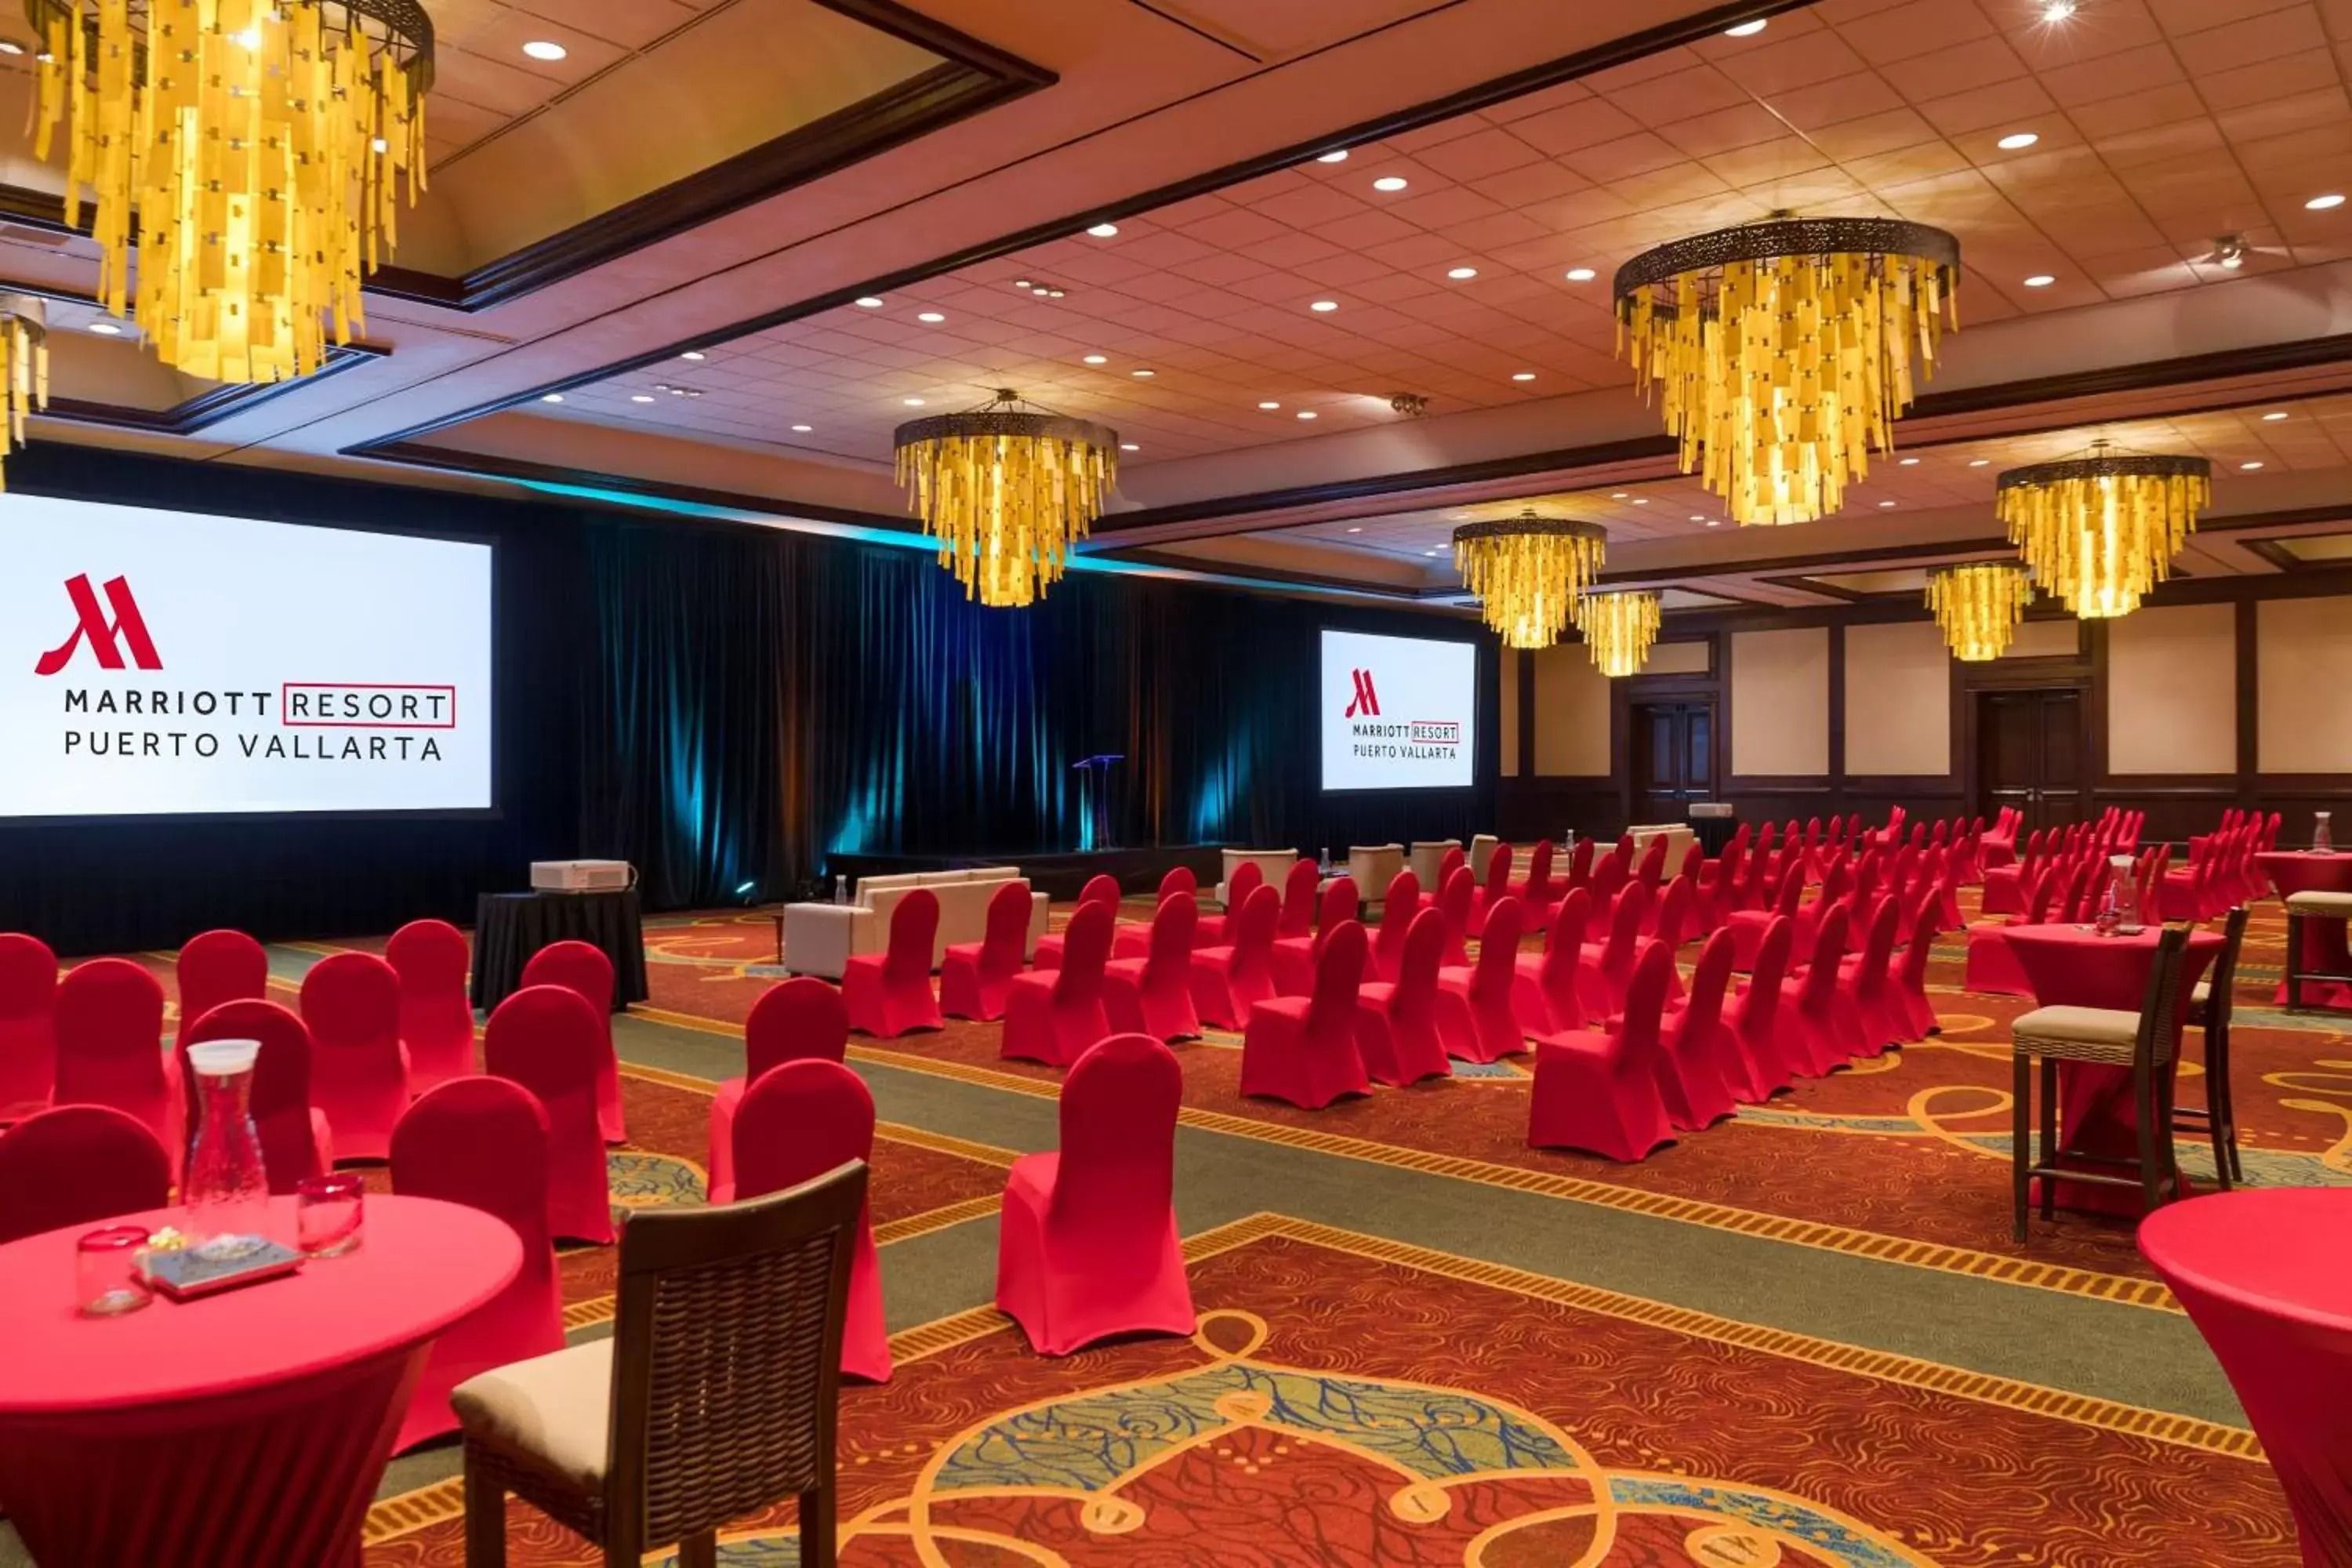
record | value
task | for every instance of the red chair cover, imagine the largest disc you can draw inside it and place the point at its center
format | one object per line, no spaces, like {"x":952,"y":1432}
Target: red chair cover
{"x":1453,"y":860}
{"x":1210,"y":930}
{"x":1864,"y":975}
{"x":1454,"y":897}
{"x":1295,"y":957}
{"x":1550,"y":994}
{"x":1397,"y":912}
{"x":801,"y":1020}
{"x":481,"y":1142}
{"x":1748,"y":926}
{"x":1826,"y":1020}
{"x":109,"y":1033}
{"x":1612,"y":873}
{"x":798,"y":1121}
{"x":1178,"y":879}
{"x":217,"y":966}
{"x":1298,"y":890}
{"x":1907,"y":970}
{"x":1536,"y":890}
{"x":1086,"y":1243}
{"x":1599,"y":1091}
{"x":586,"y":968}
{"x":1767,"y":1063}
{"x":549,"y":1040}
{"x":1153,"y":994}
{"x":1579,"y":864}
{"x":1407,"y":1028}
{"x":889,"y":993}
{"x":1651,"y":871}
{"x":359,"y":1072}
{"x":297,"y":1138}
{"x":436,"y":1015}
{"x":1495,"y":888}
{"x":1226,"y":980}
{"x":78,"y":1164}
{"x":1701,"y":1061}
{"x":1487,"y":985}
{"x":28,"y":1039}
{"x":1616,"y":956}
{"x":1303,"y":1049}
{"x":1055,"y":1015}
{"x":1101,"y":890}
{"x":975,"y":975}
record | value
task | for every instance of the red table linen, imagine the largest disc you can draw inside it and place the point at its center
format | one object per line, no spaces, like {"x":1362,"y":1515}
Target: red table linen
{"x":2305,"y":871}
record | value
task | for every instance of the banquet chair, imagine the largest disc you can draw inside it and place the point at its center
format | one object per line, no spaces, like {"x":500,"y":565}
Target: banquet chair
{"x":1397,"y":911}
{"x":1295,"y":957}
{"x":1494,"y":886}
{"x":1699,"y":1058}
{"x":297,"y":1138}
{"x":29,"y":1038}
{"x":1550,"y":994}
{"x":1599,"y":1091}
{"x":1211,"y":931}
{"x":1408,"y":1028}
{"x":217,"y":966}
{"x":1487,"y":985}
{"x":1649,"y":871}
{"x":802,"y":1020}
{"x":1907,"y":970}
{"x":109,"y":1035}
{"x":889,"y":993}
{"x":1085,"y":1244}
{"x":1298,"y":897}
{"x":1864,"y":974}
{"x":1302,"y":1049}
{"x":1538,"y":889}
{"x":1153,"y":994}
{"x":975,"y":975}
{"x":713,"y":1400}
{"x":1614,"y":869}
{"x":1826,"y":1020}
{"x":546,"y":1039}
{"x":1454,"y":901}
{"x":586,"y":968}
{"x":1099,"y":890}
{"x":2145,"y":1041}
{"x":1453,"y":860}
{"x":1052,"y":1016}
{"x":1613,"y":958}
{"x":359,"y":1069}
{"x":1767,"y":1064}
{"x":2300,"y":908}
{"x":436,"y":1015}
{"x":1132,"y":939}
{"x":2210,"y":1004}
{"x":78,"y":1164}
{"x":481,"y":1142}
{"x":1579,"y":864}
{"x":1748,"y":926}
{"x":798,"y":1121}
{"x":1228,"y":978}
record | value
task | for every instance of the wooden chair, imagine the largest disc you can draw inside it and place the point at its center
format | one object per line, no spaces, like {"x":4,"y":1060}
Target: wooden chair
{"x":2210,"y":1007}
{"x":2144,"y":1042}
{"x":714,"y":1398}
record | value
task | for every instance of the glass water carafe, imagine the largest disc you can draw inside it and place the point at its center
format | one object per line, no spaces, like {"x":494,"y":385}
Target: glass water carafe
{"x":2119,"y":909}
{"x":227,"y":1189}
{"x":2322,"y":841}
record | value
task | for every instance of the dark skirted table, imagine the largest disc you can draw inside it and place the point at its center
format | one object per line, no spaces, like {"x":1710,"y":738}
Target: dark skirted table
{"x":509,"y":927}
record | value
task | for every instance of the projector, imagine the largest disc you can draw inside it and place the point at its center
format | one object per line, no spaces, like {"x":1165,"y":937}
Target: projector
{"x":582,"y":876}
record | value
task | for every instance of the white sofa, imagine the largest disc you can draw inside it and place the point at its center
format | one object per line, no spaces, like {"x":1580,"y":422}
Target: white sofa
{"x":821,"y":939}
{"x":1275,"y":863}
{"x":1681,"y":844}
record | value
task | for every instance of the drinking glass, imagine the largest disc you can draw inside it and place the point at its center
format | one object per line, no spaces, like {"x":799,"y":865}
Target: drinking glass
{"x":107,"y":1280}
{"x":327,"y":1211}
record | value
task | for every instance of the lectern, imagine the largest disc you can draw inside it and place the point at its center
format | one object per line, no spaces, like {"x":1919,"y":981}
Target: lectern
{"x":1094,"y":797}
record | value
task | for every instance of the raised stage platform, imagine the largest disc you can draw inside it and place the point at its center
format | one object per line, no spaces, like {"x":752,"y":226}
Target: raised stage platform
{"x":1058,"y":875}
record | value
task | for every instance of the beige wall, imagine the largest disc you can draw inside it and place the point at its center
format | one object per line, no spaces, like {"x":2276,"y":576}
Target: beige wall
{"x":2303,"y":649}
{"x":1898,"y":700}
{"x":1508,"y":664}
{"x":1571,"y":714}
{"x":1677,"y":659}
{"x":2172,"y":690}
{"x":1781,"y":703}
{"x":2046,"y":640}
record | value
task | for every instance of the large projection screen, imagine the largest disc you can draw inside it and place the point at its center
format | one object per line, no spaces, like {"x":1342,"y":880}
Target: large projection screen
{"x":165,"y":663}
{"x":1398,"y":712}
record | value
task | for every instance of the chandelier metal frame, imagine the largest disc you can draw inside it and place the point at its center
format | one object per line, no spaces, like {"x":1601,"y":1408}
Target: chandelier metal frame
{"x":1528,"y":571}
{"x":1009,"y":491}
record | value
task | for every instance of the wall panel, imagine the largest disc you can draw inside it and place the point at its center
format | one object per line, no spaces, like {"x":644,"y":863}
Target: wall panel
{"x":1781,"y":703}
{"x":1508,"y":676}
{"x":1898,"y":700}
{"x":2172,"y":690}
{"x":1572,"y":714}
{"x":2304,"y":648}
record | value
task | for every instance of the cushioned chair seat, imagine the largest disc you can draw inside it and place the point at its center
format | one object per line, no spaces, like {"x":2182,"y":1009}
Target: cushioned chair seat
{"x":2101,"y":1034}
{"x":2202,"y":994}
{"x":553,"y":1410}
{"x":2335,"y":906}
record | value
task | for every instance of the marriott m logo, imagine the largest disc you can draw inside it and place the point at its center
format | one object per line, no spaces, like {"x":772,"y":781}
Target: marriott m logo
{"x":107,"y":638}
{"x":1366,"y":701}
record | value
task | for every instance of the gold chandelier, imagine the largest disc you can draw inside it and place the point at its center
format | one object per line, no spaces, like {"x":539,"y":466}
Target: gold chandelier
{"x":1978,"y":608}
{"x":23,"y":362}
{"x":1782,"y":351}
{"x":1619,"y":629}
{"x":1007,"y":493}
{"x":254,"y":149}
{"x":2100,"y":530}
{"x":1527,"y":571}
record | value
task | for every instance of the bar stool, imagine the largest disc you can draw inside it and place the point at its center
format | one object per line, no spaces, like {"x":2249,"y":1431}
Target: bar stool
{"x":2210,"y":1007}
{"x":2302,"y":907}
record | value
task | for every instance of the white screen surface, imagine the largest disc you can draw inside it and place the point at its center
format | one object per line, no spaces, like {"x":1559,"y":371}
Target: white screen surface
{"x":1398,"y":712}
{"x":159,"y":662}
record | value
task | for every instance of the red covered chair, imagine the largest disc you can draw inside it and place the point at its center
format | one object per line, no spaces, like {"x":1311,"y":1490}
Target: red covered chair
{"x":1612,"y":872}
{"x":1210,"y":931}
{"x":1487,"y":985}
{"x":1099,"y":890}
{"x":1614,"y":957}
{"x":109,"y":1033}
{"x":1407,"y":1028}
{"x":298,"y":1140}
{"x":1053,"y":1017}
{"x":78,"y":1164}
{"x":1748,"y":926}
{"x":801,"y":1020}
{"x":1907,"y":972}
{"x":1717,"y":892}
{"x":1701,"y":1059}
{"x":1295,"y":957}
{"x":889,"y":993}
{"x":481,"y":1142}
{"x":1397,"y":912}
{"x":1827,"y":1026}
{"x":1227,"y":980}
{"x":1579,"y":864}
{"x":359,"y":1069}
{"x":1864,"y":976}
{"x":975,"y":975}
{"x":586,"y":968}
{"x":1133,"y":939}
{"x":1536,"y":890}
{"x":798,"y":1121}
{"x":1767,"y":1064}
{"x":1303,"y":1049}
{"x":1550,"y":994}
{"x":1086,"y":1242}
{"x":1153,"y":994}
{"x":549,"y":1040}
{"x":217,"y":966}
{"x":436,"y":1015}
{"x":1454,"y":898}
{"x":1649,"y":871}
{"x":29,"y":1038}
{"x":1299,"y":899}
{"x":1494,"y":889}
{"x":1599,"y":1091}
{"x":1453,"y":860}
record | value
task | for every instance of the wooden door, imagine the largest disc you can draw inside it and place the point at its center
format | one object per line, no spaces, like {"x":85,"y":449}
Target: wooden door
{"x":1673,"y":758}
{"x":2030,"y":755}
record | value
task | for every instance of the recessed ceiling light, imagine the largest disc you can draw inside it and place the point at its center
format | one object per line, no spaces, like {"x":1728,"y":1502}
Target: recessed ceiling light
{"x":553,"y":397}
{"x":2020,"y":140}
{"x":1579,"y":275}
{"x":1744,"y":29}
{"x":1389,"y":182}
{"x":1640,"y":501}
{"x":2320,"y":203}
{"x":802,"y":429}
{"x":1885,"y":503}
{"x":1339,"y":157}
{"x":1714,"y":522}
{"x":1104,"y":230}
{"x":1143,"y":374}
{"x":1355,"y":531}
{"x":1324,"y":307}
{"x":1128,"y":446}
{"x":1459,"y":273}
{"x":1617,"y":495}
{"x":1908,"y":463}
{"x":1429,"y":553}
{"x":641,"y":397}
{"x":933,"y":317}
{"x":2040,"y":280}
{"x":1979,"y":462}
{"x":1698,"y":517}
{"x":1098,"y":359}
{"x":541,"y":49}
{"x":868,"y":302}
{"x":106,"y":329}
{"x":1306,"y":414}
{"x":1269,"y":406}
{"x":695,"y":354}
{"x":2057,"y":10}
{"x":1522,"y":375}
{"x":2250,"y":467}
{"x":11,"y":46}
{"x":2274,"y":416}
{"x":912,"y":401}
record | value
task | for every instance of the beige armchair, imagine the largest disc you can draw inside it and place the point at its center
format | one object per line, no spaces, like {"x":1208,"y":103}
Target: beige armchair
{"x":1427,"y":855}
{"x":1373,"y":867}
